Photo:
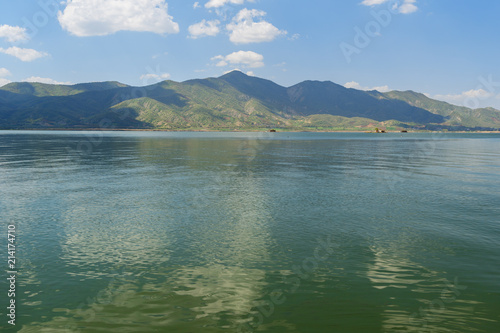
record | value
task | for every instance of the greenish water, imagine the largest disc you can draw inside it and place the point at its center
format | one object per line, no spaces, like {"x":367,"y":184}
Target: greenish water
{"x":251,"y":232}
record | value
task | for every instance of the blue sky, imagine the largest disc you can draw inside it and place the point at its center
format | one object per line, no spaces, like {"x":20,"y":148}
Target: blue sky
{"x":448,"y":49}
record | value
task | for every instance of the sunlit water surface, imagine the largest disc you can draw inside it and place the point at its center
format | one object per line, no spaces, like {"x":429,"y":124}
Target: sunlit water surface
{"x":242,"y":232}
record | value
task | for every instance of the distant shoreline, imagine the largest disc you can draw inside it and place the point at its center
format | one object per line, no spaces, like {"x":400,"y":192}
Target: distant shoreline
{"x":236,"y":130}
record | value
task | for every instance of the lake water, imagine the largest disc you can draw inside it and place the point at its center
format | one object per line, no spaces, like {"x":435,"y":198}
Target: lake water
{"x":251,"y":232}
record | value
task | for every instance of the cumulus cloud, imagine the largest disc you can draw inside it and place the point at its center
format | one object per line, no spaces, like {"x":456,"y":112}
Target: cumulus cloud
{"x":406,"y":7}
{"x":221,"y":62}
{"x":245,"y":30}
{"x":232,"y":70}
{"x":196,"y":5}
{"x":356,"y":85}
{"x":155,"y":77}
{"x":26,"y":55}
{"x":103,"y":17}
{"x":204,"y":28}
{"x":4,"y":72}
{"x":13,"y":34}
{"x":3,"y":82}
{"x":44,"y":80}
{"x":465,"y":98}
{"x":248,"y":59}
{"x":373,"y":2}
{"x":220,"y":3}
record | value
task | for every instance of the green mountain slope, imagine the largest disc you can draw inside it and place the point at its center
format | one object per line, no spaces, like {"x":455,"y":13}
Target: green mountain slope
{"x":201,"y":104}
{"x":314,"y":97}
{"x":232,"y":101}
{"x":43,"y":89}
{"x":454,"y":115}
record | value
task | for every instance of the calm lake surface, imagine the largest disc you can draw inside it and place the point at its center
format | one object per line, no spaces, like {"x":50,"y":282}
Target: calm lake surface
{"x":251,"y":232}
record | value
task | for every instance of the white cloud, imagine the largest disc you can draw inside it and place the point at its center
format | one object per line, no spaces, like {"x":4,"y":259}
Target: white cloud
{"x":356,"y":85}
{"x":232,"y":70}
{"x":352,"y":85}
{"x":479,"y":93}
{"x":250,"y":73}
{"x":3,"y":82}
{"x":4,"y":72}
{"x":465,"y":98}
{"x":247,"y":58}
{"x":381,"y":88}
{"x":282,"y":66}
{"x":373,"y":2}
{"x":245,"y":30}
{"x":103,"y":17}
{"x":156,"y":77}
{"x":44,"y":80}
{"x":220,"y":3}
{"x":196,"y":5}
{"x":221,"y":62}
{"x":23,"y":54}
{"x":473,"y":99}
{"x":244,"y":58}
{"x":204,"y":28}
{"x":13,"y":34}
{"x":407,"y":7}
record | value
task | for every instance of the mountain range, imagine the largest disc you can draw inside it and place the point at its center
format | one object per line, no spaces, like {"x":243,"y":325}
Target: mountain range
{"x":234,"y":101}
